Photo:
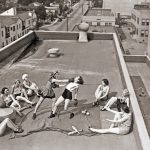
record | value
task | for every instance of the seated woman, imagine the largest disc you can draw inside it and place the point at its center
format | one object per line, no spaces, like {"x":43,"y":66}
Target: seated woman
{"x":124,"y":99}
{"x":8,"y":123}
{"x":10,"y":100}
{"x":66,"y":97}
{"x":121,"y":124}
{"x":48,"y":91}
{"x":102,"y":91}
{"x":19,"y":93}
{"x":29,"y":86}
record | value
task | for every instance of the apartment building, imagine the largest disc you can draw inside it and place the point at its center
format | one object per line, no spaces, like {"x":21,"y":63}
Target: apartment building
{"x":28,"y":21}
{"x":99,"y":17}
{"x":14,"y":25}
{"x":140,"y":18}
{"x":11,"y":29}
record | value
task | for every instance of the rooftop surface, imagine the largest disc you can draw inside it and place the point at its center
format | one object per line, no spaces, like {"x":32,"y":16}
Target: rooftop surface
{"x":99,"y":12}
{"x":94,"y":61}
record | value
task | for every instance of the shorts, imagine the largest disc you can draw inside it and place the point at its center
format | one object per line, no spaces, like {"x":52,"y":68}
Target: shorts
{"x":67,"y":94}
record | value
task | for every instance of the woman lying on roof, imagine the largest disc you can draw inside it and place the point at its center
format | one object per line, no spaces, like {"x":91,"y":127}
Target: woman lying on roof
{"x":66,"y":96}
{"x":121,"y":124}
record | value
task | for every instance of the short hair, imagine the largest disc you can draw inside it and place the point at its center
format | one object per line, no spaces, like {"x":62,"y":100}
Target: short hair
{"x":24,"y":76}
{"x":106,"y":81}
{"x":3,"y":90}
{"x":80,"y":80}
{"x":17,"y":80}
{"x":126,"y":92}
{"x":125,"y":108}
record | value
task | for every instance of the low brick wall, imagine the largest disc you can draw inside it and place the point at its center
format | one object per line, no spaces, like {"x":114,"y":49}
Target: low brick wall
{"x":24,"y":41}
{"x":63,"y":35}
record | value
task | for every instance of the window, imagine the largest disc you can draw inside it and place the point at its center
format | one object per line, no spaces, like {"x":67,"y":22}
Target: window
{"x":137,"y":20}
{"x":133,"y":17}
{"x":147,"y":22}
{"x":3,"y":44}
{"x":146,"y":33}
{"x":137,"y":31}
{"x":142,"y":33}
{"x":143,"y":22}
{"x":98,"y":23}
{"x":110,"y":24}
{"x":13,"y":28}
{"x":14,"y":38}
{"x":106,"y":24}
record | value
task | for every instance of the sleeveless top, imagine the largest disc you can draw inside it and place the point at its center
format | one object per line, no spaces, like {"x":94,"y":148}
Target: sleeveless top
{"x":103,"y":89}
{"x":72,"y":86}
{"x":7,"y":99}
{"x":16,"y":90}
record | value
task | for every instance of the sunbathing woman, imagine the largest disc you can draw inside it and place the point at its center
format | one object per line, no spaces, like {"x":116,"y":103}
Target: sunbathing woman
{"x":8,"y":123}
{"x":29,"y":86}
{"x":67,"y":95}
{"x":101,"y":92}
{"x":10,"y":100}
{"x":19,"y":93}
{"x":124,"y":99}
{"x":48,"y":92}
{"x":121,"y":124}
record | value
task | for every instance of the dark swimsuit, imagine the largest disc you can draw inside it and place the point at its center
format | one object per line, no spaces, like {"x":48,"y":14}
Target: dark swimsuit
{"x":47,"y":91}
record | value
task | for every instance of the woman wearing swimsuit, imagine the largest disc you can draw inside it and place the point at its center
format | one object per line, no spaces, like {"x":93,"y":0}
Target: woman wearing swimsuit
{"x":19,"y":93}
{"x":121,"y":124}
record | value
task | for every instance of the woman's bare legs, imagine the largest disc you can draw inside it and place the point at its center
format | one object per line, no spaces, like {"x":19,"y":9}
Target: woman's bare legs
{"x":24,"y":94}
{"x":17,"y":108}
{"x":58,"y":102}
{"x":53,"y":102}
{"x":38,"y":104}
{"x":7,"y":123}
{"x":110,"y":103}
{"x":103,"y":131}
{"x":20,"y":98}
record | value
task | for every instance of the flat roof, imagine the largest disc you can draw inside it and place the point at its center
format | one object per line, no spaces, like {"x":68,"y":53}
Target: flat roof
{"x":94,"y":61}
{"x":99,"y":12}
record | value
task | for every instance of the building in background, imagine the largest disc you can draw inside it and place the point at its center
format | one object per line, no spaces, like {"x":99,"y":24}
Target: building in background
{"x":140,"y":18}
{"x":99,"y":17}
{"x":11,"y":29}
{"x":98,"y":3}
{"x":14,"y":25}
